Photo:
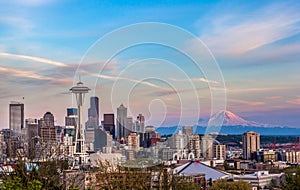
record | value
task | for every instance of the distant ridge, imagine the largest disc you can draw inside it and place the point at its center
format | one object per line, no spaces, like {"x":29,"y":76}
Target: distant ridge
{"x":233,"y":125}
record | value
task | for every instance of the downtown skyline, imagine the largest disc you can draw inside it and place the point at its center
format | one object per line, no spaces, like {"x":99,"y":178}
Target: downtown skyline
{"x":256,"y":44}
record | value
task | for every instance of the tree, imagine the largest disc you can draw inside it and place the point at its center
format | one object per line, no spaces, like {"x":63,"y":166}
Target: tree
{"x":13,"y":184}
{"x":292,"y":181}
{"x":222,"y":184}
{"x":35,"y":185}
{"x":45,"y":176}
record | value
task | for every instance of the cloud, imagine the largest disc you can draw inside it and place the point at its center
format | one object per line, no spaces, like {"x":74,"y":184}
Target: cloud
{"x":136,"y":81}
{"x":31,"y":58}
{"x":31,"y":75}
{"x":239,"y":34}
{"x":194,"y":80}
{"x":267,"y":89}
{"x":17,"y":22}
{"x":32,"y":2}
{"x":244,"y":102}
{"x":273,"y":97}
{"x":294,"y":101}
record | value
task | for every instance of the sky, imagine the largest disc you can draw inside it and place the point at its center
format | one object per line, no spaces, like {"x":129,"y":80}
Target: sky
{"x":251,"y":49}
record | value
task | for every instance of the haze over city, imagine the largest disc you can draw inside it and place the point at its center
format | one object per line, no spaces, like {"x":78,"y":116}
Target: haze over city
{"x":256,"y":44}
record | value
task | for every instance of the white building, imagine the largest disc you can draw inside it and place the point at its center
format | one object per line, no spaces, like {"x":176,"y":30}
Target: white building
{"x":260,"y":179}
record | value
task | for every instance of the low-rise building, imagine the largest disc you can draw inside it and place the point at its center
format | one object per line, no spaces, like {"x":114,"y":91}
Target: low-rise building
{"x":260,"y":179}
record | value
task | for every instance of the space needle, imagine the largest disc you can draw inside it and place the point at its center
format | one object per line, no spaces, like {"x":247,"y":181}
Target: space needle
{"x":80,"y":90}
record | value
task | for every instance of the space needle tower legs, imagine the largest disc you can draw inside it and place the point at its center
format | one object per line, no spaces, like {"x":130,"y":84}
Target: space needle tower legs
{"x":79,"y":90}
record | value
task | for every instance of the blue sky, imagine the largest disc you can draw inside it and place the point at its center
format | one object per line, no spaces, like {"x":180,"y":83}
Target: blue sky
{"x":256,"y":44}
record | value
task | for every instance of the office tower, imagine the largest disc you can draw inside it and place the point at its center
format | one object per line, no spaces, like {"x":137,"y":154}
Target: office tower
{"x":32,"y":135}
{"x":121,"y":121}
{"x":32,"y":126}
{"x":194,"y":145}
{"x":71,"y":118}
{"x":49,"y":119}
{"x":79,"y":90}
{"x":179,"y":141}
{"x":133,"y":141}
{"x":103,"y":140}
{"x":12,"y":147}
{"x":46,"y":129}
{"x":16,"y":117}
{"x":90,"y":137}
{"x":108,"y":123}
{"x":2,"y":148}
{"x":70,"y":131}
{"x":188,"y":130}
{"x":93,"y":112}
{"x":70,"y":124}
{"x":129,"y":126}
{"x":48,"y":134}
{"x":207,"y":147}
{"x":220,"y":151}
{"x":140,"y":124}
{"x":251,"y":143}
{"x":92,"y":123}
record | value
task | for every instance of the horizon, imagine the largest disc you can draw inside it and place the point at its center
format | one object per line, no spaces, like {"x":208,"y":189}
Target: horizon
{"x":256,"y":45}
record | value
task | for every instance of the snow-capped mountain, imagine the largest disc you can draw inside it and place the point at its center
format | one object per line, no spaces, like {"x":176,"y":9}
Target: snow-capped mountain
{"x":231,"y":119}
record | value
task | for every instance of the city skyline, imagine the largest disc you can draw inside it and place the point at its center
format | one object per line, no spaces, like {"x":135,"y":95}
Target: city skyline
{"x":256,"y":45}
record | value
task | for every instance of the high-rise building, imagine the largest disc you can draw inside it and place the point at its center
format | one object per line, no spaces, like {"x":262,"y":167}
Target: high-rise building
{"x":220,"y":151}
{"x":133,"y":141}
{"x":194,"y":145}
{"x":103,"y":140}
{"x":2,"y":148}
{"x":70,"y":125}
{"x":16,"y":117}
{"x":188,"y":130}
{"x":251,"y":143}
{"x":93,"y":111}
{"x":71,"y":118}
{"x":47,"y":130}
{"x":93,"y":114}
{"x":32,"y":135}
{"x":92,"y":123}
{"x":108,"y":123}
{"x":129,"y":126}
{"x":121,"y":121}
{"x":140,"y":124}
{"x":49,"y":119}
{"x":207,"y":142}
{"x":179,"y":141}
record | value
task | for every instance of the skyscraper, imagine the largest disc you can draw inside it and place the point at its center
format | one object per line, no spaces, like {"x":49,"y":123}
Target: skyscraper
{"x":71,"y":118}
{"x":49,"y":119}
{"x":108,"y":123}
{"x":103,"y":140}
{"x":140,"y":124}
{"x":121,"y":121}
{"x":92,"y":122}
{"x":194,"y":145}
{"x":93,"y":112}
{"x":251,"y":143}
{"x":16,"y":117}
{"x":207,"y":142}
{"x":47,"y":129}
{"x":219,"y":151}
{"x":71,"y":123}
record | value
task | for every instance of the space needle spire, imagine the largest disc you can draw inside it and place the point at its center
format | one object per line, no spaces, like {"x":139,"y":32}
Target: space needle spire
{"x":80,"y":90}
